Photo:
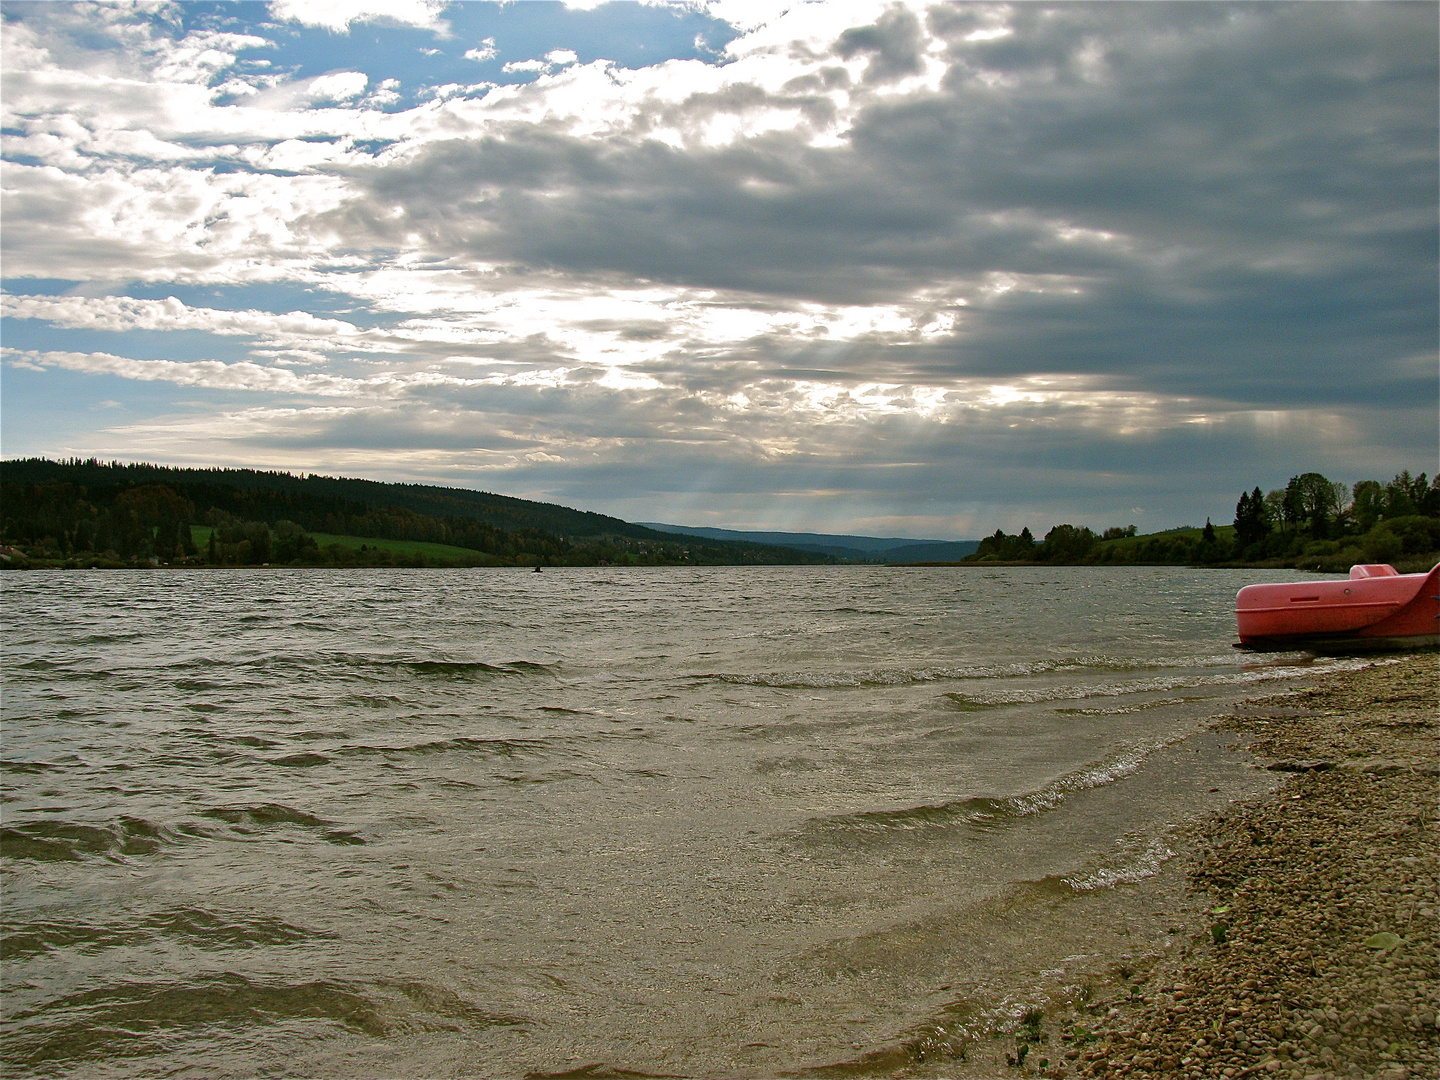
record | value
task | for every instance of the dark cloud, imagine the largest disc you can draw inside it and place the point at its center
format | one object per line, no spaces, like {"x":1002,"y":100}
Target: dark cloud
{"x":893,"y":43}
{"x":1210,"y":226}
{"x":1225,"y":199}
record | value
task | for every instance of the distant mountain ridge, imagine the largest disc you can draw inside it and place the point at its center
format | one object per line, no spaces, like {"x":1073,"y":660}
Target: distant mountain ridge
{"x":883,"y":549}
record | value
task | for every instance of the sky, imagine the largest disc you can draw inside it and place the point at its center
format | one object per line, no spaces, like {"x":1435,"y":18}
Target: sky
{"x":907,"y":269}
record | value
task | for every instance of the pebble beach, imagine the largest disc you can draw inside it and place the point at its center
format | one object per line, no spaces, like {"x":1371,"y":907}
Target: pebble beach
{"x":1321,"y":953}
{"x":1307,"y":917}
{"x":1319,"y":957}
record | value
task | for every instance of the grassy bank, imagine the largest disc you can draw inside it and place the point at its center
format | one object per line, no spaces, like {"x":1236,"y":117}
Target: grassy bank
{"x":436,"y":553}
{"x":367,"y":550}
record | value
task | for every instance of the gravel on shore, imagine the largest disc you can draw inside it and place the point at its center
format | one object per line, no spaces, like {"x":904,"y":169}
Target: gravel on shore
{"x":1320,"y":959}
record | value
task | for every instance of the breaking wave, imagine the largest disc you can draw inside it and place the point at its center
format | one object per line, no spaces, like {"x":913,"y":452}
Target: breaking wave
{"x":986,"y":812}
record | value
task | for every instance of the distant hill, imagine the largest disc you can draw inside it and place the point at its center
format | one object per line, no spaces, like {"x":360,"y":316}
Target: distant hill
{"x":275,"y":491}
{"x":881,"y":549}
{"x":60,"y":510}
{"x":931,"y":551}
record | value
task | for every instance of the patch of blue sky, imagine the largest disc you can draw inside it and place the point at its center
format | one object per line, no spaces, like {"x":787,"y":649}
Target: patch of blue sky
{"x":45,"y":411}
{"x":278,"y":298}
{"x":42,"y":336}
{"x":22,"y":159}
{"x":629,"y":34}
{"x":41,"y":286}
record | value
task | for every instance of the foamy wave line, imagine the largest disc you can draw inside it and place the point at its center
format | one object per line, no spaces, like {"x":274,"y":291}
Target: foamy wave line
{"x":1138,"y":862}
{"x":985,"y":812}
{"x":825,"y":680}
{"x":1131,"y":663}
{"x":1160,"y":684}
{"x":1121,"y":710}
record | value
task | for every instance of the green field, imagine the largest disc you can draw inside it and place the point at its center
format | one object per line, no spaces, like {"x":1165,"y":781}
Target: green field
{"x":437,"y":552}
{"x":419,"y":547}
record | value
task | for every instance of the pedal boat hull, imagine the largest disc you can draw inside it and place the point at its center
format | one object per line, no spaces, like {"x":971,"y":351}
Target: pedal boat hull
{"x":1377,"y":608}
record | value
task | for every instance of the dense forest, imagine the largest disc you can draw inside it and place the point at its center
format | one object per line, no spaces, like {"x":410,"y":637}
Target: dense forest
{"x":92,"y":513}
{"x":1312,"y":523}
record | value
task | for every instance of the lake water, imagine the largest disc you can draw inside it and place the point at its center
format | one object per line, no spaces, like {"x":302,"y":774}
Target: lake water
{"x":675,"y":820}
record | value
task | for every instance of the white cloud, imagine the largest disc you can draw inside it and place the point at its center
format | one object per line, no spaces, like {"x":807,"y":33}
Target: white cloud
{"x":339,"y":86}
{"x":212,"y":374}
{"x":555,"y":58}
{"x":967,"y":218}
{"x":748,"y":15}
{"x":123,"y":313}
{"x":338,"y":15}
{"x":162,"y":224}
{"x":485,"y":51}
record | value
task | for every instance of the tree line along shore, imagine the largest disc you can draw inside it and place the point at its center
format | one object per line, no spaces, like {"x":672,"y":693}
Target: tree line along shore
{"x":87,"y":513}
{"x":1312,"y":523}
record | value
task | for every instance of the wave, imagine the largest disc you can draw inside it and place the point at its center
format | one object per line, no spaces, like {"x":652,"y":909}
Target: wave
{"x":1134,"y":857}
{"x":68,"y":670}
{"x":300,"y":761}
{"x":134,"y":1019}
{"x":105,"y":639}
{"x":198,"y":684}
{"x":899,"y":676}
{"x":58,"y":840}
{"x":425,"y":667}
{"x":1159,"y":684}
{"x":824,"y":680}
{"x":261,"y":818}
{"x":194,"y":927}
{"x":458,"y":745}
{"x":1121,"y":710}
{"x":1131,"y":866}
{"x":357,"y":664}
{"x":26,"y":767}
{"x":450,"y":669}
{"x":986,"y":812}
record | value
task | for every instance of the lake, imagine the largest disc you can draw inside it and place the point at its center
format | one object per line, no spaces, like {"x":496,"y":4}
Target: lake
{"x":734,"y":820}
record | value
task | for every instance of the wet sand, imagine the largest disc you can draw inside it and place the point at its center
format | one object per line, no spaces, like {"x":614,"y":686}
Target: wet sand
{"x":1297,"y":938}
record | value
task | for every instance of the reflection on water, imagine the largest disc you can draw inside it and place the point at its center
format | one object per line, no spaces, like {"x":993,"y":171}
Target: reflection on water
{"x":671,"y":820}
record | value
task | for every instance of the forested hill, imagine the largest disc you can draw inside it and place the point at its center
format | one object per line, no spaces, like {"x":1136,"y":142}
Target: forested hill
{"x":269,"y":496}
{"x":57,"y":509}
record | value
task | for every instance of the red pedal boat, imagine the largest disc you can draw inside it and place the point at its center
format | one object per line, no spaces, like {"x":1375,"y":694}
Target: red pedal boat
{"x":1377,"y":608}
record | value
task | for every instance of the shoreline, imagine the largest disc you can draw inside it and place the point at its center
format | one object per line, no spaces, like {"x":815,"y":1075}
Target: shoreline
{"x":1297,"y":936}
{"x":1405,"y":565}
{"x":1320,"y":959}
{"x":13,"y":559}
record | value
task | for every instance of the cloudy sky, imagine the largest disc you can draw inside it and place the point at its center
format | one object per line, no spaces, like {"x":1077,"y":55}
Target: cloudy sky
{"x":917,"y":269}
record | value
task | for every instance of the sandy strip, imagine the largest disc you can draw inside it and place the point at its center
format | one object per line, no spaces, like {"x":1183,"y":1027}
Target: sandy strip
{"x":1321,"y":955}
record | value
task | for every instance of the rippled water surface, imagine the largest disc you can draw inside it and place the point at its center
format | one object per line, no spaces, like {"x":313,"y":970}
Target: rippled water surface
{"x":438,"y":823}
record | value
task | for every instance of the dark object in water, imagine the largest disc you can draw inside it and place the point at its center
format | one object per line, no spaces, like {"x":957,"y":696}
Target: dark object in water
{"x":1377,"y":608}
